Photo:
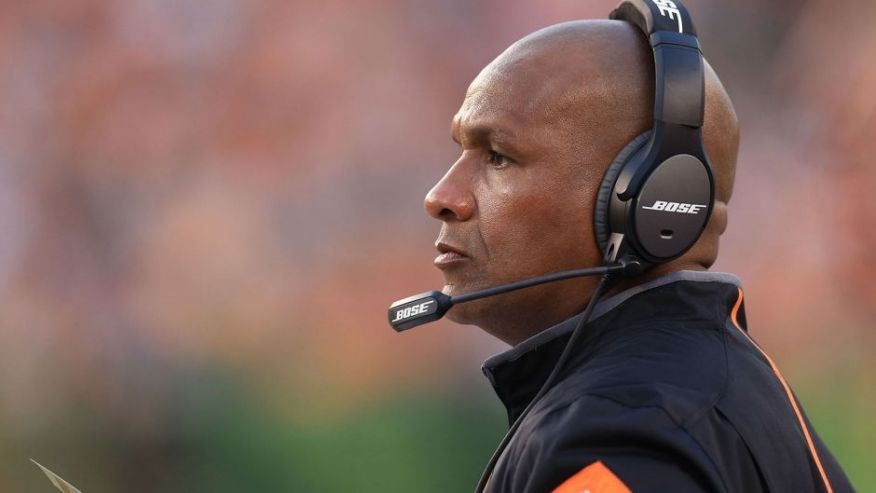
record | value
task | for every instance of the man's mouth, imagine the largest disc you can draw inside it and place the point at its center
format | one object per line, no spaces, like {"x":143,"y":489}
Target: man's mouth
{"x":448,"y":255}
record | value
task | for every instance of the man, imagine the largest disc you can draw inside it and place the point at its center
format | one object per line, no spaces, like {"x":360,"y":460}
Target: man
{"x":664,"y":390}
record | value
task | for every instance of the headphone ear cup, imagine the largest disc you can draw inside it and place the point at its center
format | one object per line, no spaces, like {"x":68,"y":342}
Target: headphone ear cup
{"x":603,"y":196}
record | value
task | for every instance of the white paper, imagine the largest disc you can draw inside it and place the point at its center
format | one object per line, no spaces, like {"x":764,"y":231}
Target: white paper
{"x":56,"y":480}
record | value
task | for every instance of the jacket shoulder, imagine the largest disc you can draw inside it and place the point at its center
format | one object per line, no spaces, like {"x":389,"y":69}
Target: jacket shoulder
{"x":642,"y":446}
{"x":678,"y":366}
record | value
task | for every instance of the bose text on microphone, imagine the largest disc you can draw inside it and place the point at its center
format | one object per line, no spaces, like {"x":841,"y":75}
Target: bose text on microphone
{"x":418,"y":309}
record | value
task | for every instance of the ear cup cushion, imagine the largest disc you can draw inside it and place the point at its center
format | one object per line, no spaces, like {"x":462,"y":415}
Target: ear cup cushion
{"x":603,"y":195}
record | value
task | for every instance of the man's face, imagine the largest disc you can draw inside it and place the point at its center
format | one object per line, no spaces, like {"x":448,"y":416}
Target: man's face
{"x":518,"y":201}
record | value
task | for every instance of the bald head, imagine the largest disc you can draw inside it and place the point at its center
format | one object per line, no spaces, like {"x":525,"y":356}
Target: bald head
{"x":593,"y":82}
{"x":538,"y":127}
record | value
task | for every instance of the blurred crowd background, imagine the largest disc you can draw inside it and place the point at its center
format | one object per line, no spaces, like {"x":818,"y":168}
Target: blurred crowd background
{"x":207,"y":205}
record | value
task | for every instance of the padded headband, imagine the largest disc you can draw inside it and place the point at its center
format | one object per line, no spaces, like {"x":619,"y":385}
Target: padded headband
{"x":678,"y":60}
{"x":655,"y":15}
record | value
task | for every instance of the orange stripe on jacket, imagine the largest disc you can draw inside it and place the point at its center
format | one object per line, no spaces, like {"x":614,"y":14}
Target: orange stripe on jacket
{"x":595,"y":478}
{"x":809,"y":443}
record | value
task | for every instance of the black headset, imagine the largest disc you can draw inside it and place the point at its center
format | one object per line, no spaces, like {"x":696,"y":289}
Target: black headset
{"x":657,"y":195}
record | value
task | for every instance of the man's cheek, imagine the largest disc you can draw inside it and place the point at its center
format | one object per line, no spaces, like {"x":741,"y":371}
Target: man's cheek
{"x":515,"y":254}
{"x":541,"y":245}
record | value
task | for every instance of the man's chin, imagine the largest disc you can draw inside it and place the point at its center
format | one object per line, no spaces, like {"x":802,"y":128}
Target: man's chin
{"x":478,"y":312}
{"x":471,"y":313}
{"x":451,"y":289}
{"x":462,"y":314}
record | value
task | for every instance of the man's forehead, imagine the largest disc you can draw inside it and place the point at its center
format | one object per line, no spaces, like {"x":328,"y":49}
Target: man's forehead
{"x":501,"y":102}
{"x":487,"y":121}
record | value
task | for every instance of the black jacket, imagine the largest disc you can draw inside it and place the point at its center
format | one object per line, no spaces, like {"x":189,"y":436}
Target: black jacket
{"x":665,"y":392}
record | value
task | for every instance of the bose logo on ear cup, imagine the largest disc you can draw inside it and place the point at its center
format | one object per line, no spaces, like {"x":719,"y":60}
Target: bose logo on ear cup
{"x":679,"y":207}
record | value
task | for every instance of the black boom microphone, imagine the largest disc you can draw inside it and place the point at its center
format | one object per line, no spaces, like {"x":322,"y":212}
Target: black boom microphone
{"x":432,"y":305}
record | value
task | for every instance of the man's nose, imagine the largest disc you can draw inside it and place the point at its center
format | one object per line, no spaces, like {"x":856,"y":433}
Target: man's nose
{"x":451,"y":199}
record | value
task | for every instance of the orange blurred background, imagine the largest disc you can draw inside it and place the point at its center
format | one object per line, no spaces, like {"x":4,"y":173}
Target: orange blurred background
{"x":207,"y":206}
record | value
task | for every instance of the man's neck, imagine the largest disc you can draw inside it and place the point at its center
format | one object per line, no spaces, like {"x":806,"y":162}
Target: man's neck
{"x":621,"y":284}
{"x":525,"y":323}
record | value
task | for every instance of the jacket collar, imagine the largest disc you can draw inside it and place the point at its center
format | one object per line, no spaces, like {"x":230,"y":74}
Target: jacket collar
{"x":518,"y":373}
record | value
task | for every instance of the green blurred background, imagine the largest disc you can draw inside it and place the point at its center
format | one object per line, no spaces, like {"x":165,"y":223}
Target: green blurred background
{"x":207,"y":205}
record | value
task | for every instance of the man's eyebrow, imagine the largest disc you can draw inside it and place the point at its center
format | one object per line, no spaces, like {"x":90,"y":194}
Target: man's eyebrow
{"x":481,"y":132}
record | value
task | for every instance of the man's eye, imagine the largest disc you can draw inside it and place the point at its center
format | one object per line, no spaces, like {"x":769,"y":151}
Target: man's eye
{"x":498,"y":160}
